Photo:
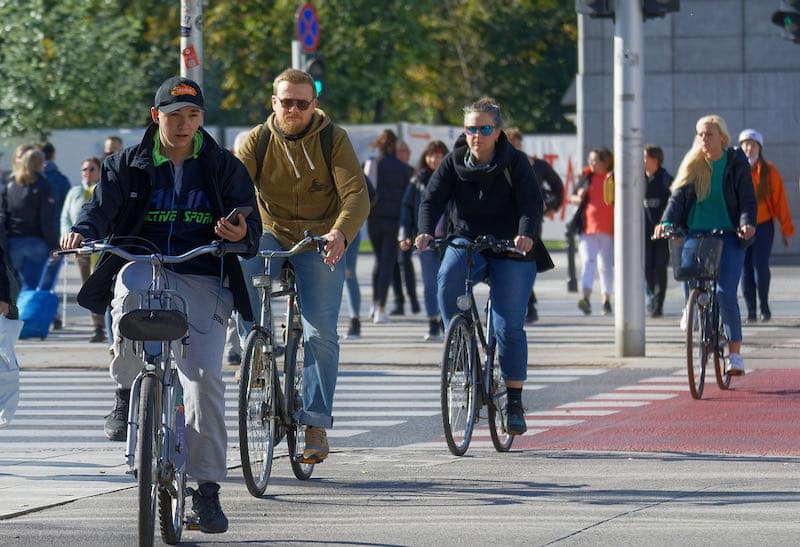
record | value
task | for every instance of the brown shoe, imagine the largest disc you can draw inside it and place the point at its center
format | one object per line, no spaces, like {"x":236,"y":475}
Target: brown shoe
{"x":316,"y":448}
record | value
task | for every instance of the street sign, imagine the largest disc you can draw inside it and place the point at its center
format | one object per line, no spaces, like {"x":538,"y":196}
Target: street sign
{"x":307,"y":27}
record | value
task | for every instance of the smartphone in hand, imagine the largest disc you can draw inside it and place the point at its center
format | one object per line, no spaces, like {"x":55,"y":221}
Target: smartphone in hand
{"x":233,"y":217}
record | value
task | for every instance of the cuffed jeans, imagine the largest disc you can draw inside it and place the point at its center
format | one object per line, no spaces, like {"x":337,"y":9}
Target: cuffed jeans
{"x":319,"y":292}
{"x":756,"y":275}
{"x":510,"y":284}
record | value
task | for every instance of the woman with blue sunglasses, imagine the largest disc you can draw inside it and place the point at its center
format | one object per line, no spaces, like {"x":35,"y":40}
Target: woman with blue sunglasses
{"x":490,"y":189}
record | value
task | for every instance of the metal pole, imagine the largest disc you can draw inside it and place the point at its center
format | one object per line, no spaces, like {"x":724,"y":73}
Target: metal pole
{"x":191,"y":57}
{"x":629,"y":179}
{"x":297,"y":55}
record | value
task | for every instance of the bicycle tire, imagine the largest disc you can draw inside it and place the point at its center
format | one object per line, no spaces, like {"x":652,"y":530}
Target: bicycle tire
{"x":458,"y":386}
{"x":257,"y":412}
{"x":147,"y":460}
{"x":296,"y":435}
{"x":498,"y":395}
{"x":172,"y":499}
{"x":723,"y":378}
{"x":697,"y":347}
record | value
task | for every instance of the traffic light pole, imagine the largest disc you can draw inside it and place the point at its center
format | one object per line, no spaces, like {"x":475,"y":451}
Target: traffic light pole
{"x":297,"y":55}
{"x":191,"y":58}
{"x":629,"y":179}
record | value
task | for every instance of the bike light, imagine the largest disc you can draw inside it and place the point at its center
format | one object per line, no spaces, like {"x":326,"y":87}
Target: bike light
{"x":463,"y":302}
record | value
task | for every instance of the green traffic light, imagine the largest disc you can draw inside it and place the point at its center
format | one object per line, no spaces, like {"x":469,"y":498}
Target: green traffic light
{"x":318,"y":86}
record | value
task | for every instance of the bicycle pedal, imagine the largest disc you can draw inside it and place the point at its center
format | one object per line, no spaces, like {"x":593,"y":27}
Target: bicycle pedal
{"x":191,"y":523}
{"x":311,"y":461}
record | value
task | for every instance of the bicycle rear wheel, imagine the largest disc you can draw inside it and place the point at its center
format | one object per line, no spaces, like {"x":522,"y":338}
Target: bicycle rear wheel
{"x":501,"y":439}
{"x":147,"y":459}
{"x":697,"y":345}
{"x":257,"y":412}
{"x":721,"y":345}
{"x":458,"y":386}
{"x":171,"y":493}
{"x":296,"y":434}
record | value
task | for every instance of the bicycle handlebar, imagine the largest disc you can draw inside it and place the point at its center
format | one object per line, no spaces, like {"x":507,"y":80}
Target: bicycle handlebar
{"x":319,"y":240}
{"x":480,"y":243}
{"x":216,"y":248}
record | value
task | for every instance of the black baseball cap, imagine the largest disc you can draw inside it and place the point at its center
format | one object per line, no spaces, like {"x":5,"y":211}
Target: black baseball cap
{"x":178,"y":92}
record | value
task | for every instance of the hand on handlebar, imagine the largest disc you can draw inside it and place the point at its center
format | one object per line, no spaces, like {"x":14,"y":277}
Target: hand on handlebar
{"x":334,"y":249}
{"x":746,"y":231}
{"x":523,"y":243}
{"x":422,"y":241}
{"x":71,"y":240}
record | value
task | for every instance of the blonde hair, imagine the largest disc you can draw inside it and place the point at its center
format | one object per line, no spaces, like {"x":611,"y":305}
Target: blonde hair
{"x":695,"y":167}
{"x":31,"y":163}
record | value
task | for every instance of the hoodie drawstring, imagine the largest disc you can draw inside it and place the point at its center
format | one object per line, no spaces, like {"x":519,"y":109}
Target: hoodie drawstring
{"x":291,"y":160}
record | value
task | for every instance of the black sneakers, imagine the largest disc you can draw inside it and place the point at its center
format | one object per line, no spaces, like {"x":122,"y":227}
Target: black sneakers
{"x":116,"y":427}
{"x":515,"y":418}
{"x":354,"y":332}
{"x":207,"y":510}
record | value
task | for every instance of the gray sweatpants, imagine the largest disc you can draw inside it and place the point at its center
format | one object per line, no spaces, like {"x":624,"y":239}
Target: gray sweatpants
{"x":209,"y":307}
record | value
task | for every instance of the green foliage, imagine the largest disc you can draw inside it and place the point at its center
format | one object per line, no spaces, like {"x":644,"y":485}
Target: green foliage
{"x":73,"y":63}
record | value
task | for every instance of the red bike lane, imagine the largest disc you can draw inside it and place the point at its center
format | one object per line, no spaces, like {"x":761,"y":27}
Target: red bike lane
{"x":759,"y":415}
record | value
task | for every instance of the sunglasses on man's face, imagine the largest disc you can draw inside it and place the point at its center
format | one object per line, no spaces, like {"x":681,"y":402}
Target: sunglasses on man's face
{"x":484,"y":130}
{"x":301,"y":104}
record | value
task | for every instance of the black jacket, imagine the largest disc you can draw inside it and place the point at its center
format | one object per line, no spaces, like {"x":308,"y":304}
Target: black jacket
{"x":737,"y":187}
{"x":28,"y":211}
{"x":393,"y":177}
{"x":656,"y":196}
{"x":484,"y":201}
{"x":121,"y":200}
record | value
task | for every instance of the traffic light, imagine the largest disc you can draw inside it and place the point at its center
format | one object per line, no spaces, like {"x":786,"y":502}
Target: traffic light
{"x":314,"y":64}
{"x":788,"y":18}
{"x":659,"y":8}
{"x":595,"y":8}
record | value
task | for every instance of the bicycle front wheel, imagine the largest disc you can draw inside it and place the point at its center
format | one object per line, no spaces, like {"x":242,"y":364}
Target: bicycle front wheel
{"x":171,"y":493}
{"x":147,"y":460}
{"x":296,"y":434}
{"x":721,"y":346}
{"x":257,"y":412}
{"x":697,"y":342}
{"x":458,"y":386}
{"x":501,"y":439}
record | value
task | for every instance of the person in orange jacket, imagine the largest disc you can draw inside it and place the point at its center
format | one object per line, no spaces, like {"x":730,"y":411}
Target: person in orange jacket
{"x":772,"y":204}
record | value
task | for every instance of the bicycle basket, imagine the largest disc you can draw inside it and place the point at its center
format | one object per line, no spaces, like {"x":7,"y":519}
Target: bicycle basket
{"x":153,"y":325}
{"x":695,"y":257}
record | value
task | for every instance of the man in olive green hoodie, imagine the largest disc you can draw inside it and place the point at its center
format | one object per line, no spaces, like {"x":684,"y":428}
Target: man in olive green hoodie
{"x":297,"y":191}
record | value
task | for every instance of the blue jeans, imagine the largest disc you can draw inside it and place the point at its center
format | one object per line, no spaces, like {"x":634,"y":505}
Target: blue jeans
{"x":429,"y":261}
{"x":28,"y":255}
{"x":510,"y":283}
{"x":730,"y":270}
{"x":756,"y":275}
{"x":350,"y":278}
{"x":319,"y":292}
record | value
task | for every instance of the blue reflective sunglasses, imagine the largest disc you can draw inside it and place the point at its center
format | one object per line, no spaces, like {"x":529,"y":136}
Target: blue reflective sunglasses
{"x":485,"y":130}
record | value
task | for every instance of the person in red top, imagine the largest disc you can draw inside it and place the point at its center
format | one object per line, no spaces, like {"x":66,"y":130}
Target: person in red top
{"x":596,"y":247}
{"x":772,"y":204}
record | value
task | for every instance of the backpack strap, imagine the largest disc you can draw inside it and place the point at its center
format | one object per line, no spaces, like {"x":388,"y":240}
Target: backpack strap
{"x":264,"y":136}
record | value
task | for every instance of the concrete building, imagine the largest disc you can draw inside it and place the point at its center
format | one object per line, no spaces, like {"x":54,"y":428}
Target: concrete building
{"x":714,"y":56}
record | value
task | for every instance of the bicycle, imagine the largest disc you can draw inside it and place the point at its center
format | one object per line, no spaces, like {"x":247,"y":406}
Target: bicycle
{"x":468,"y":382}
{"x":695,"y":259}
{"x":156,"y":446}
{"x":267,"y":412}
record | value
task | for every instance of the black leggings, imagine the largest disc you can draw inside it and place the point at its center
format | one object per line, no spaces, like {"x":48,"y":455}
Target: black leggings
{"x":383,"y":236}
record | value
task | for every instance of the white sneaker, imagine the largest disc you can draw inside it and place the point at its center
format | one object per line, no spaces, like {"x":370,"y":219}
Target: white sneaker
{"x":684,"y":320}
{"x":381,"y":317}
{"x":735,"y":365}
